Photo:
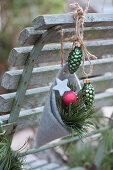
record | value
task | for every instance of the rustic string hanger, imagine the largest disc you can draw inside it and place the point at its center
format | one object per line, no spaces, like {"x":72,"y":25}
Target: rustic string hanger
{"x":62,"y":51}
{"x":77,"y":38}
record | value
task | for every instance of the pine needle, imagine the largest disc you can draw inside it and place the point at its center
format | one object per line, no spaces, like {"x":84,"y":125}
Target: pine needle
{"x":9,"y":160}
{"x":77,"y":117}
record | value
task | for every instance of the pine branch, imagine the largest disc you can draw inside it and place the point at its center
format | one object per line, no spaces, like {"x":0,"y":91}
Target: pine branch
{"x":77,"y":116}
{"x":9,"y":160}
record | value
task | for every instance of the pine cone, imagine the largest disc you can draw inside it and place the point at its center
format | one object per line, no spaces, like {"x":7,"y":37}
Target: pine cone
{"x":74,"y":59}
{"x":88,"y":94}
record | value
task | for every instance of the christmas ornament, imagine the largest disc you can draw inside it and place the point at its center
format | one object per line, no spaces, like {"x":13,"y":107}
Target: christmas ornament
{"x":52,"y":124}
{"x":69,"y":97}
{"x":60,"y":118}
{"x":88,"y":93}
{"x":61,"y":86}
{"x":74,"y":59}
{"x":76,"y":116}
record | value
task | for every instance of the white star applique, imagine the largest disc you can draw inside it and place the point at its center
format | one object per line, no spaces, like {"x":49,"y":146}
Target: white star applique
{"x":61,"y":86}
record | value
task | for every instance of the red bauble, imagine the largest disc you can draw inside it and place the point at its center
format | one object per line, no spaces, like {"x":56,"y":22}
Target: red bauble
{"x":69,"y":97}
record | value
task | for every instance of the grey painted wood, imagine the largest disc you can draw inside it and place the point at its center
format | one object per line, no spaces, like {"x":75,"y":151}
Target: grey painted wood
{"x":16,"y":55}
{"x":50,"y":166}
{"x":104,"y":99}
{"x":77,"y":168}
{"x":29,"y":159}
{"x":101,"y":83}
{"x":91,"y":19}
{"x":24,"y":80}
{"x":37,"y":96}
{"x":33,"y":97}
{"x":40,"y":76}
{"x":27,"y":118}
{"x":32,"y":116}
{"x":36,"y":164}
{"x":63,"y":168}
{"x":51,"y":53}
{"x":29,"y":35}
{"x":44,"y":75}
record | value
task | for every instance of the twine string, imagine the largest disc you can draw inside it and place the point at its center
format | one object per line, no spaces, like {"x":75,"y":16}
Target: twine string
{"x":77,"y":38}
{"x":62,"y":51}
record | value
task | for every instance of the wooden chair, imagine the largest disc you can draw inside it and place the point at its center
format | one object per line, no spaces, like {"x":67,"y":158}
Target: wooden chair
{"x":39,"y":59}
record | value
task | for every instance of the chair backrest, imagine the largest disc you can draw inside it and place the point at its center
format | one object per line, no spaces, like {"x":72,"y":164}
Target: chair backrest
{"x":41,"y":43}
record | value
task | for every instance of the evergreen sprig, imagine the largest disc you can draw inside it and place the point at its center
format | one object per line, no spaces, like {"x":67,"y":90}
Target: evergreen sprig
{"x":76,"y":116}
{"x":9,"y":159}
{"x":16,"y":161}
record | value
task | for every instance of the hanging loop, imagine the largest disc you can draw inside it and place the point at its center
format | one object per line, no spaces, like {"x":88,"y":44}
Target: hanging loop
{"x":61,"y":51}
{"x":77,"y":39}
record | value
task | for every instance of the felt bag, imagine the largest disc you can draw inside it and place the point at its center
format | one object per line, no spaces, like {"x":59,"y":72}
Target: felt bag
{"x":51,"y":125}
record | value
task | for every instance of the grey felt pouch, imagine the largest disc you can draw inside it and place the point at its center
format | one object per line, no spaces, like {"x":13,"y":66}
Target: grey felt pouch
{"x":51,"y":125}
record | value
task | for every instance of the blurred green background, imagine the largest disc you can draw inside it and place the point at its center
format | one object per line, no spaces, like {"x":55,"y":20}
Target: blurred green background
{"x":15,"y":15}
{"x":18,"y":14}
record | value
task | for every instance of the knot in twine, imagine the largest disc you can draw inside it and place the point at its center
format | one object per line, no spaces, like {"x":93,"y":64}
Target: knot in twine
{"x":77,"y":39}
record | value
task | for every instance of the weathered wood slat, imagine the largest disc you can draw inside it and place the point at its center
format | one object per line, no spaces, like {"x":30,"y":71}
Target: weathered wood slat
{"x":29,"y":159}
{"x":37,"y":164}
{"x":51,"y":53}
{"x":77,"y":168}
{"x":33,"y":97}
{"x":32,"y":116}
{"x":31,"y":162}
{"x":104,"y":99}
{"x":40,"y":76}
{"x":26,"y":74}
{"x":101,"y":83}
{"x":63,"y":168}
{"x":37,"y":96}
{"x":44,"y":75}
{"x":51,"y":166}
{"x":91,"y":19}
{"x":29,"y":35}
{"x":27,"y":118}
